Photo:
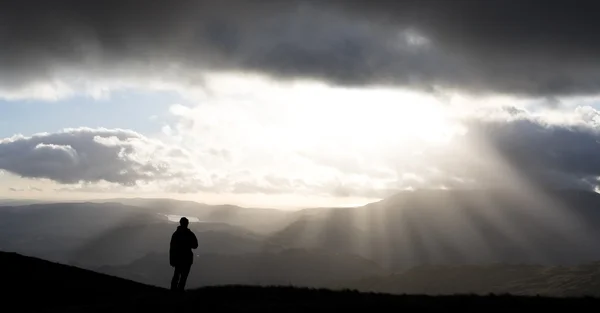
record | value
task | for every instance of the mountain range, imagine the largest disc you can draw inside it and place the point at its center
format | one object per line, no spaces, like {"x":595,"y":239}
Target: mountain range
{"x":378,"y":246}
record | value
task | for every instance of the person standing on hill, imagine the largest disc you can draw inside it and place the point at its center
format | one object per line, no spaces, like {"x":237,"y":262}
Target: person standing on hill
{"x":181,"y":256}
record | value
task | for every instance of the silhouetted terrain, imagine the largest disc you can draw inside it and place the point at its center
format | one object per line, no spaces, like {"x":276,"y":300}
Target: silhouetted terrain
{"x":556,"y":281}
{"x":15,"y":202}
{"x":127,"y":243}
{"x":322,"y":270}
{"x":324,"y":246}
{"x":95,"y":234}
{"x":459,"y":227}
{"x":288,"y":267}
{"x":34,"y":285}
{"x":38,"y":285}
{"x":258,"y":220}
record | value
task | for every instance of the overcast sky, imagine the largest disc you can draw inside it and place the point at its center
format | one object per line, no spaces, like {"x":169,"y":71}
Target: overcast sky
{"x":295,"y":103}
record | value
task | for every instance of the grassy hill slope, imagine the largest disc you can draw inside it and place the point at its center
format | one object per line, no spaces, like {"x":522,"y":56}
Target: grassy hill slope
{"x":515,"y":279}
{"x":34,"y":285}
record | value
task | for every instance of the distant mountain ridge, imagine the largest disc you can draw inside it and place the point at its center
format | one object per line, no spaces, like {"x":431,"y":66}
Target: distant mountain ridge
{"x":91,"y":234}
{"x":459,"y":227}
{"x":407,"y":230}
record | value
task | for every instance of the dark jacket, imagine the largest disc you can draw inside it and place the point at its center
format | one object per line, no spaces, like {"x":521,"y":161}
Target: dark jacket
{"x":183,"y":241}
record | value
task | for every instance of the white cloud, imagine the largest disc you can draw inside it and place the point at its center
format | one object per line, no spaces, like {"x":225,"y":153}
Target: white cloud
{"x":29,"y":188}
{"x":97,"y":82}
{"x":88,"y":155}
{"x":250,"y":135}
{"x":253,"y":135}
{"x":257,"y":136}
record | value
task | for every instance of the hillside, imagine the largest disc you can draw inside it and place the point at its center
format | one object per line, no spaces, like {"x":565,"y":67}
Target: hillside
{"x":287,"y":267}
{"x":446,"y":227}
{"x":256,"y":219}
{"x":333,"y":245}
{"x":96,"y":234}
{"x":34,"y":285}
{"x":531,"y":280}
{"x":125,"y":244}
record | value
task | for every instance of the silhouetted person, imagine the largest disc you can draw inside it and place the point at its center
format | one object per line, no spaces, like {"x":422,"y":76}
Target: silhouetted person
{"x":181,"y":256}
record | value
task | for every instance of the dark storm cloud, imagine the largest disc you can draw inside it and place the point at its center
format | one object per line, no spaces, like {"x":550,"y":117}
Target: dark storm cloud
{"x":86,"y":155}
{"x":547,"y":48}
{"x":547,"y":151}
{"x":535,"y":47}
{"x":541,"y":153}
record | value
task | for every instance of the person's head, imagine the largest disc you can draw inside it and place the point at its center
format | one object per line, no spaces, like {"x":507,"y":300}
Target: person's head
{"x":184,"y":222}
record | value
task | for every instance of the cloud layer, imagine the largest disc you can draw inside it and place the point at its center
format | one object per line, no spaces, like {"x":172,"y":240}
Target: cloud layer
{"x":88,"y":155}
{"x":351,"y":146}
{"x":500,"y":151}
{"x":525,"y":47}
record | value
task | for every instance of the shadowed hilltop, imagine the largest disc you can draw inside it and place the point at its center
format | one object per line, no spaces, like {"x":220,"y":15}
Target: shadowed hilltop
{"x":35,"y":285}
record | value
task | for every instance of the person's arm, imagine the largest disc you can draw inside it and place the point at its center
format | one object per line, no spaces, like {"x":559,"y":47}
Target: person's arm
{"x":171,"y":255}
{"x":194,"y":241}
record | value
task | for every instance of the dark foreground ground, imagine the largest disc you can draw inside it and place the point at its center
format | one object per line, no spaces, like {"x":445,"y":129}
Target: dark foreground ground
{"x":34,"y":285}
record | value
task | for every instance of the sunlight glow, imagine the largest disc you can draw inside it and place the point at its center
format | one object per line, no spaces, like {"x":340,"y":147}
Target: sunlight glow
{"x":314,"y":136}
{"x":309,"y":113}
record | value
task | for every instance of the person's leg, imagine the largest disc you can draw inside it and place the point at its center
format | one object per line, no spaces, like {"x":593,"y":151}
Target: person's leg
{"x":175,"y":279}
{"x":184,"y":272}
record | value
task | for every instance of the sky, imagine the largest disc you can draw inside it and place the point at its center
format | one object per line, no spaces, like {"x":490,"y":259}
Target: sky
{"x":295,"y":103}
